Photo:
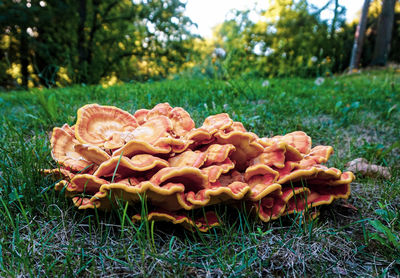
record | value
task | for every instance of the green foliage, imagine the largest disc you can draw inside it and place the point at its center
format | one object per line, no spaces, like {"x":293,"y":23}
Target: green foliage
{"x":56,"y":43}
{"x":66,"y":42}
{"x":290,"y":39}
{"x":387,"y":228}
{"x":48,"y":105}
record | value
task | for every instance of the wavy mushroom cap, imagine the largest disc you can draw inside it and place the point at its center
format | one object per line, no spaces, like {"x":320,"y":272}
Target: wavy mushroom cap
{"x":217,"y":153}
{"x":191,"y":177}
{"x":217,"y":169}
{"x":217,"y":194}
{"x":152,"y":130}
{"x":238,"y":126}
{"x":181,"y":121}
{"x":271,"y":207}
{"x":167,"y":196}
{"x":203,"y":224}
{"x":188,"y":158}
{"x":86,"y":183}
{"x":59,"y":173}
{"x":69,"y":129}
{"x":317,"y":155}
{"x":217,"y":122}
{"x":295,"y":198}
{"x":298,"y":139}
{"x":97,"y":124}
{"x":141,"y":116}
{"x":63,"y":150}
{"x":161,"y":109}
{"x":246,"y":146}
{"x":92,"y":153}
{"x":130,"y":167}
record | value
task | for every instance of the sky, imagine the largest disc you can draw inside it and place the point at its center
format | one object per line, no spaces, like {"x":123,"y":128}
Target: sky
{"x":209,"y":13}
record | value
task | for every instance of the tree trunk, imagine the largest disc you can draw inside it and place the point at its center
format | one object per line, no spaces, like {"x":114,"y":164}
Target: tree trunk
{"x":95,"y":26}
{"x":359,"y":37}
{"x":384,"y":33}
{"x":335,"y":13}
{"x":82,"y":61}
{"x":24,"y":59}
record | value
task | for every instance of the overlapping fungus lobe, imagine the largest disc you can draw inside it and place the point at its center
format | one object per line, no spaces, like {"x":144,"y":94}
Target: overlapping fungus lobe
{"x":217,"y":169}
{"x":214,"y":123}
{"x":63,"y":150}
{"x":85,"y":183}
{"x":203,"y":223}
{"x":181,"y":121}
{"x":97,"y":124}
{"x":297,"y":139}
{"x":159,"y":155}
{"x":188,"y":158}
{"x":191,"y":177}
{"x":161,"y":109}
{"x":246,"y":146}
{"x":92,"y":153}
{"x":148,"y":138}
{"x":217,"y":153}
{"x":130,"y":167}
{"x":141,"y":116}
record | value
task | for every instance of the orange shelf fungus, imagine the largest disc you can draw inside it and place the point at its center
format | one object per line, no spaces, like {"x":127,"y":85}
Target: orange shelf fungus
{"x":214,"y":171}
{"x":161,"y":109}
{"x":295,"y":198}
{"x":63,"y":150}
{"x":134,"y":147}
{"x":192,"y":178}
{"x":167,"y":195}
{"x":69,"y":129}
{"x":297,"y":139}
{"x":92,"y":153}
{"x":111,"y":156}
{"x":203,"y":224}
{"x":85,"y":183}
{"x":123,"y":166}
{"x":238,"y":126}
{"x":152,"y":130}
{"x":214,"y":123}
{"x":97,"y":124}
{"x":59,"y":173}
{"x":276,"y":153}
{"x":140,"y":116}
{"x":218,"y":194}
{"x":181,"y":121}
{"x":82,"y":202}
{"x":246,"y":146}
{"x":188,"y":158}
{"x":270,"y":207}
{"x":217,"y":153}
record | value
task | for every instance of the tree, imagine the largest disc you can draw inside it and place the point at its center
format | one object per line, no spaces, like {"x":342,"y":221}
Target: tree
{"x":14,"y":24}
{"x":359,"y":37}
{"x":384,"y":33}
{"x":291,"y":39}
{"x":90,"y":40}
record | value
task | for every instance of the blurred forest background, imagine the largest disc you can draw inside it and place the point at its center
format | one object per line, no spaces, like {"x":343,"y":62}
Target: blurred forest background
{"x":56,"y":43}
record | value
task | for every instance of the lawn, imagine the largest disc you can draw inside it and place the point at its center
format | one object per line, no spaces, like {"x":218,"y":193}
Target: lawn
{"x":42,"y":234}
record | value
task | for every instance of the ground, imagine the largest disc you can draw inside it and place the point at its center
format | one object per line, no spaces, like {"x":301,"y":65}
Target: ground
{"x":42,"y":234}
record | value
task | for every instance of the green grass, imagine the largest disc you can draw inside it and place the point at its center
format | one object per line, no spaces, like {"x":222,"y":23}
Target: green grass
{"x":42,"y":234}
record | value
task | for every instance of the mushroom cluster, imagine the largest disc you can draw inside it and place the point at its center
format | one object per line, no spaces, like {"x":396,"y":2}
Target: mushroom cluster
{"x":110,"y":155}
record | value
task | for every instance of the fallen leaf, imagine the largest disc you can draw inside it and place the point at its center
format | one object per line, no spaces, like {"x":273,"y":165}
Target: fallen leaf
{"x":362,"y":166}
